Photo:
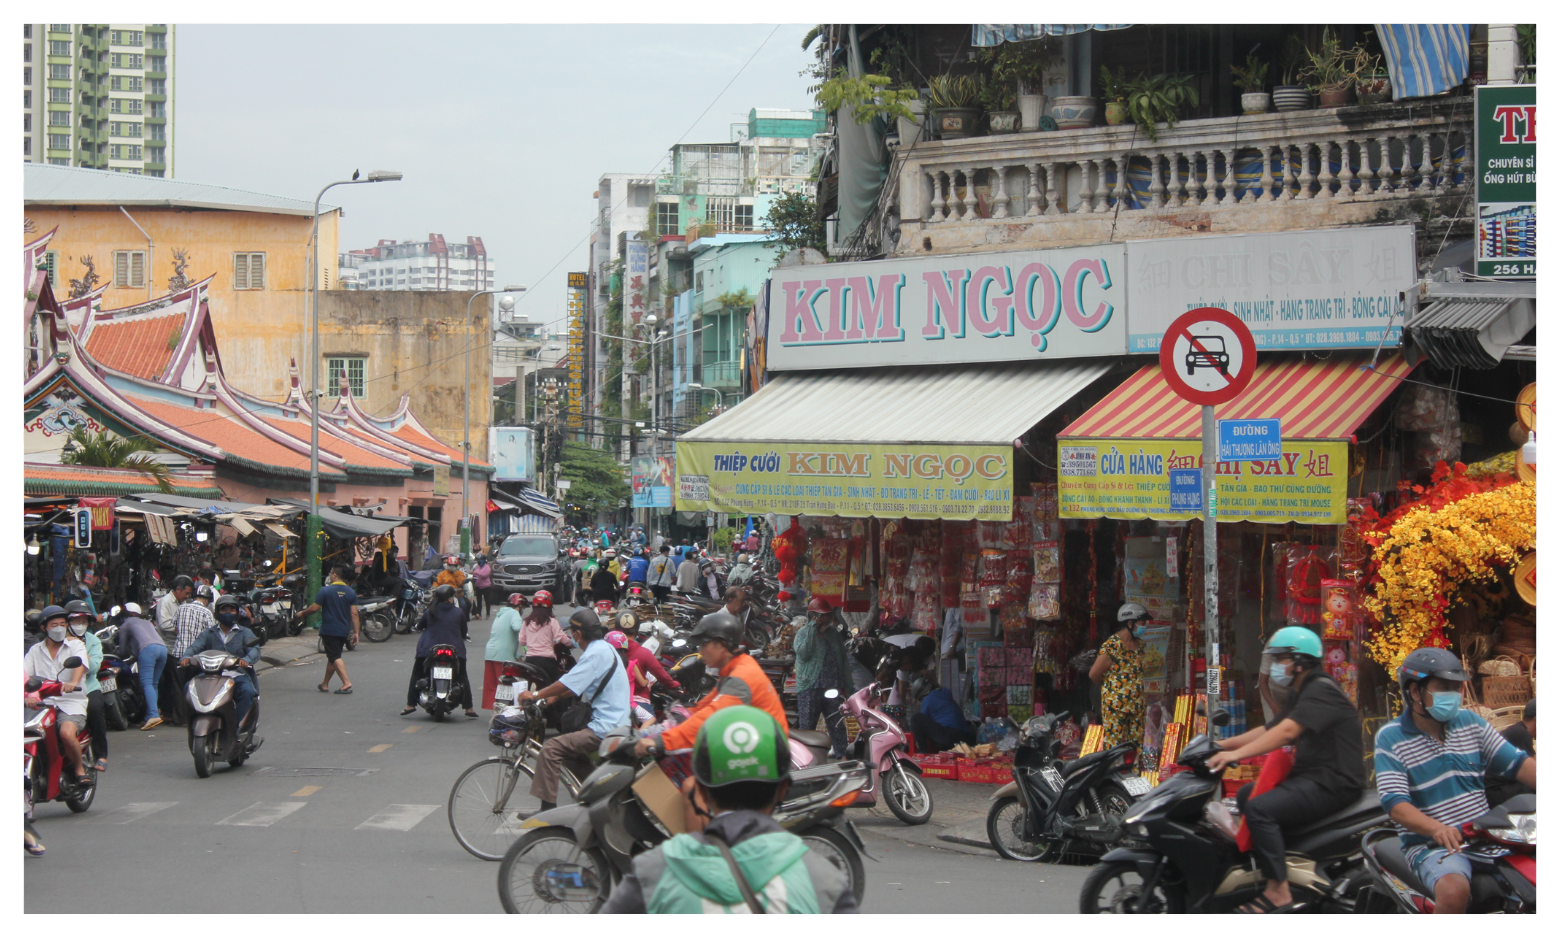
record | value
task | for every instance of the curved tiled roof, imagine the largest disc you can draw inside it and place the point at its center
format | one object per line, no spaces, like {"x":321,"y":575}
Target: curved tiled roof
{"x":356,"y":456}
{"x":44,"y":479}
{"x":234,"y":438}
{"x":141,"y":346}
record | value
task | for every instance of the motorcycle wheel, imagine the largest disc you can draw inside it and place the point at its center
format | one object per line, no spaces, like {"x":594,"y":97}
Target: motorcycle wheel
{"x":378,"y":627}
{"x":113,"y":713}
{"x":834,"y":847}
{"x":546,"y":871}
{"x":757,"y":636}
{"x":1004,"y":824}
{"x":133,"y":704}
{"x":1115,"y":889}
{"x":84,"y":801}
{"x":296,"y":626}
{"x":908,"y":798}
{"x":483,"y":805}
{"x":404,"y":621}
{"x":438,"y":713}
{"x":203,"y":748}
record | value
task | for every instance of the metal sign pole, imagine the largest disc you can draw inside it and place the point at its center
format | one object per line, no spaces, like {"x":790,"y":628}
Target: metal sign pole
{"x":1211,"y":563}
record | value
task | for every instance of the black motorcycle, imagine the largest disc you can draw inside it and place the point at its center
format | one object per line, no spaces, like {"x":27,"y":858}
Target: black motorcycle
{"x":1189,"y":861}
{"x":439,"y":690}
{"x":215,"y":732}
{"x":1053,"y":807}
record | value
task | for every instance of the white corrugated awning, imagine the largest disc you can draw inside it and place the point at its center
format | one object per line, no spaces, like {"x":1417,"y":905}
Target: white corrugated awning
{"x":963,"y":404}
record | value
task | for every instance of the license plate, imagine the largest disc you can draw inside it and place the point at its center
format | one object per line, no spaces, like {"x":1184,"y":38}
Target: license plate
{"x":268,"y":608}
{"x":286,"y":604}
{"x":1053,"y":778}
{"x":1136,"y":786}
{"x":504,"y":692}
{"x":444,"y":674}
{"x":109,"y":683}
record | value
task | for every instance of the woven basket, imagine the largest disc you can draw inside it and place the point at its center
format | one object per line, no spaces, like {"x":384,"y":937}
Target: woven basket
{"x":1498,"y":692}
{"x":1505,"y":717}
{"x":1483,"y":712}
{"x":1502,"y":666}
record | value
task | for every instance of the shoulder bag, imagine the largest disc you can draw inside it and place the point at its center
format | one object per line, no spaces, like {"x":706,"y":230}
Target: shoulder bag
{"x":578,"y":716}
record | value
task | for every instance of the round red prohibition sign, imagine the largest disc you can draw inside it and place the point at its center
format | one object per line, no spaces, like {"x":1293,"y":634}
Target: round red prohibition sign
{"x":1208,"y":356}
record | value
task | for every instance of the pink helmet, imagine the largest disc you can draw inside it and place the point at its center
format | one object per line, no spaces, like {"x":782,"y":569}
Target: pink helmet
{"x":616,"y":639}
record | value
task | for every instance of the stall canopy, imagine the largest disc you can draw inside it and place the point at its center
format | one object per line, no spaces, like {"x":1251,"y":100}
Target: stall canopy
{"x":913,"y":442}
{"x":539,"y":503}
{"x":1471,"y":325}
{"x":1121,"y":458}
{"x":345,"y":524}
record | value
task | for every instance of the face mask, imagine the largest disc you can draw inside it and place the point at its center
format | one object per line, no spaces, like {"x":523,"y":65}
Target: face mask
{"x":1280,"y":674}
{"x":1444,"y":705}
{"x":227,"y":618}
{"x":78,"y":629}
{"x":57,"y":633}
{"x":1139,"y":631}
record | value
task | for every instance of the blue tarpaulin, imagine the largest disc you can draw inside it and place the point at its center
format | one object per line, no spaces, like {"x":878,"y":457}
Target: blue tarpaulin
{"x":995,"y":34}
{"x":1425,"y":59}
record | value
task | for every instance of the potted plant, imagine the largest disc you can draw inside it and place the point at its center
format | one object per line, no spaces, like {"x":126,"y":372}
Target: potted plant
{"x":1289,"y":94}
{"x":1372,"y":84}
{"x":1072,"y":111}
{"x":1113,"y":90}
{"x":1159,"y":99}
{"x":1251,"y":79}
{"x":868,"y":97}
{"x":954,"y":109}
{"x":1023,"y":65}
{"x":1331,"y":71}
{"x":998,"y":99}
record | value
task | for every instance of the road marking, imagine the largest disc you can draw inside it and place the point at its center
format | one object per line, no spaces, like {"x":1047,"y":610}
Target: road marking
{"x":262,"y":815}
{"x":305,"y":791}
{"x":411,"y":729}
{"x":381,"y":747}
{"x":398,"y":817}
{"x":135,"y":811}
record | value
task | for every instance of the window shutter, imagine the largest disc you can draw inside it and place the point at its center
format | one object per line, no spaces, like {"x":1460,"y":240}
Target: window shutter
{"x":137,"y":269}
{"x":121,"y":268}
{"x":241,"y":271}
{"x":257,"y":271}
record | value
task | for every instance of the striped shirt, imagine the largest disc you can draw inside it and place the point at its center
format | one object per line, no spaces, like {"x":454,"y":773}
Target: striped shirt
{"x":193,"y":619}
{"x":1444,"y":779}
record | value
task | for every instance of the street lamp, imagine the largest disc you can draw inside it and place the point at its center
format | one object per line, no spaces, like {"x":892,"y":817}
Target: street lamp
{"x":378,"y":175}
{"x":720,"y":395}
{"x":506,"y":303}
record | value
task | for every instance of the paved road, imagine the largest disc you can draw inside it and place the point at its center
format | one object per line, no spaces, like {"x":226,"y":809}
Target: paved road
{"x":269,"y":837}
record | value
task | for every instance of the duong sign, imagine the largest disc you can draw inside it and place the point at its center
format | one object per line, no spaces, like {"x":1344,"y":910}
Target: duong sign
{"x":1328,"y":288}
{"x":1014,"y":306}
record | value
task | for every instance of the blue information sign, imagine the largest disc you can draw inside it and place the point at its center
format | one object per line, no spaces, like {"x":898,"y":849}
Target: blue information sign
{"x":1247,"y":440}
{"x":1186,"y":489}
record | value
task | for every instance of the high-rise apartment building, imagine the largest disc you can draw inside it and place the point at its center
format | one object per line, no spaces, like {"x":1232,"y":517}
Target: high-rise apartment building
{"x":417,"y":265}
{"x":99,"y":96}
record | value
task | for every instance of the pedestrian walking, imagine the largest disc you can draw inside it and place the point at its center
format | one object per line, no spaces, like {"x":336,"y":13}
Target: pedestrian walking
{"x":482,"y":585}
{"x":503,"y":645}
{"x":139,"y":642}
{"x":339,"y":625}
{"x":662,"y":572}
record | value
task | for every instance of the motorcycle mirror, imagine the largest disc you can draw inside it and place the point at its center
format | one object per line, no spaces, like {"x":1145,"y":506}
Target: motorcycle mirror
{"x":71,"y":662}
{"x":33,"y":683}
{"x":255,"y":642}
{"x":114,"y":611}
{"x":1220,"y":718}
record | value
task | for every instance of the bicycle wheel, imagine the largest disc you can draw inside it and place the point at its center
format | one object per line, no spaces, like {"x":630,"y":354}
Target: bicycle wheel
{"x":546,"y":871}
{"x":377,"y":627}
{"x":483,"y":805}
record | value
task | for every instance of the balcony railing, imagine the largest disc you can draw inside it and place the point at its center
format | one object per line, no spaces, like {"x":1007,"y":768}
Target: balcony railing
{"x":1324,"y":167}
{"x":721,"y":374}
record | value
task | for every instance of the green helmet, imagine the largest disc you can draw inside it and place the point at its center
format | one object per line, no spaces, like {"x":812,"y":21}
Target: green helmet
{"x":741,"y":744}
{"x":1294,"y":640}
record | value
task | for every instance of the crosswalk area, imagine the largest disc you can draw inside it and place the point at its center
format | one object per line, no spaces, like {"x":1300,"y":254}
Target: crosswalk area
{"x":398,"y":818}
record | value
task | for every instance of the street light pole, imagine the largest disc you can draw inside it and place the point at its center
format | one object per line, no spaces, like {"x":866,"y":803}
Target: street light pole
{"x":506,"y":304}
{"x":719,"y":394}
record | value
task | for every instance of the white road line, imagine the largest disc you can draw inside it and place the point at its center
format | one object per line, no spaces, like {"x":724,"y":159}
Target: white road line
{"x":135,"y":811}
{"x":398,"y":817}
{"x":262,"y":815}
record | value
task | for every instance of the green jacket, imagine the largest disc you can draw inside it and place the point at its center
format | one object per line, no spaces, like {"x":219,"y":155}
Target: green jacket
{"x":810,"y":647}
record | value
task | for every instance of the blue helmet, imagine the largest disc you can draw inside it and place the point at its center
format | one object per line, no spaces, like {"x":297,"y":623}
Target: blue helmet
{"x":1295,"y":640}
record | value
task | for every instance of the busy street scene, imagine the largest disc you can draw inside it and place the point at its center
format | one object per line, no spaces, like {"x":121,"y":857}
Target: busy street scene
{"x":719,"y":544}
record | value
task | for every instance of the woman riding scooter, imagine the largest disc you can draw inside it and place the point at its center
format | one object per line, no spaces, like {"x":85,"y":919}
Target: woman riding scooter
{"x":443,"y":624}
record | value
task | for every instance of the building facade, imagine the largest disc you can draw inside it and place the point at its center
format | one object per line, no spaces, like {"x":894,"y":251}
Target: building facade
{"x":434,"y":264}
{"x":99,"y":95}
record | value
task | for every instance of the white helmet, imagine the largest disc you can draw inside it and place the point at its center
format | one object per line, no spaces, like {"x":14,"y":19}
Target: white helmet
{"x":133,"y":608}
{"x":1132,"y":612}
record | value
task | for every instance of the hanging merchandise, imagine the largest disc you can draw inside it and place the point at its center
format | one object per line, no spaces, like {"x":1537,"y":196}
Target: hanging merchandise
{"x":1304,"y":577}
{"x":829,"y":564}
{"x":1045,"y":601}
{"x":788,"y":547}
{"x":1339,"y":611}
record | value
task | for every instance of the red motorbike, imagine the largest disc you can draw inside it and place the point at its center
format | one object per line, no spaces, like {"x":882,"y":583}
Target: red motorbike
{"x":44,"y":759}
{"x":1501,"y":846}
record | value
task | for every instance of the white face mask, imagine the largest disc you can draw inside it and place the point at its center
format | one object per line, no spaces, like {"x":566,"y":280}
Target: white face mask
{"x":56,"y":633}
{"x":78,"y":629}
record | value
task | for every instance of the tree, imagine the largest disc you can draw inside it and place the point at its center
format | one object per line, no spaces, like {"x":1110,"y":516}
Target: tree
{"x":797,"y":222}
{"x":103,"y":450}
{"x":597,"y":482}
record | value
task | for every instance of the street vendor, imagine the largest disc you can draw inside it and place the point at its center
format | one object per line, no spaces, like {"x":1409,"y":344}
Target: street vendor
{"x":1119,"y":670}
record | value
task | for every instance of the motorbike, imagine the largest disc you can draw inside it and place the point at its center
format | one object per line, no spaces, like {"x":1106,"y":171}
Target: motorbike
{"x":1188,"y":860}
{"x":43,"y":758}
{"x":881,"y":745}
{"x":374,"y":619}
{"x":569,"y":858}
{"x":291,"y":597}
{"x":440,"y":690}
{"x":409,"y":607}
{"x":636,"y":594}
{"x":119,"y":683}
{"x":1501,"y":847}
{"x":604,"y":608}
{"x":215,"y":732}
{"x":1054,"y":807}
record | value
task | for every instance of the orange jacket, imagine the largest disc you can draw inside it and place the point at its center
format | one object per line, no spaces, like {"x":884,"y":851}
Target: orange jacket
{"x":455,"y":578}
{"x":741,"y":683}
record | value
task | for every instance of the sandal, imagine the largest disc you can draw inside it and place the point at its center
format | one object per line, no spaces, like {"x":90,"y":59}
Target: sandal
{"x":408,"y":710}
{"x":322,"y":688}
{"x":101,"y":765}
{"x":344,"y":690}
{"x":83,"y":781}
{"x":471,"y":713}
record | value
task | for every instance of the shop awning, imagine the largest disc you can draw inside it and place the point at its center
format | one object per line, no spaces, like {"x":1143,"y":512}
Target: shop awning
{"x":1472,"y":330}
{"x":1312,"y":399}
{"x":539,"y":503}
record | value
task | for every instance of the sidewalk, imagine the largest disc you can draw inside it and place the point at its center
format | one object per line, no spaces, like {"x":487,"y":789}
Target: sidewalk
{"x":958,"y":819}
{"x":292,"y":649}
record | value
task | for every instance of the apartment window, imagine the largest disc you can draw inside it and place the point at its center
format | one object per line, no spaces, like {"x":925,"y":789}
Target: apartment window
{"x":59,"y":95}
{"x":27,"y":146}
{"x":59,"y":161}
{"x":27,"y":79}
{"x":124,"y":105}
{"x":59,"y":141}
{"x":157,"y":86}
{"x":59,"y":72}
{"x":352,"y":368}
{"x":158,"y":109}
{"x":156,"y":132}
{"x":249,"y":271}
{"x":129,"y":268}
{"x":59,"y":27}
{"x":59,"y":118}
{"x":124,"y":151}
{"x":56,"y":47}
{"x":125,"y":83}
{"x":27,"y":30}
{"x":27,"y":123}
{"x":719,"y":212}
{"x":159,"y":41}
{"x":742,"y":218}
{"x":666,"y":218}
{"x":51,"y":261}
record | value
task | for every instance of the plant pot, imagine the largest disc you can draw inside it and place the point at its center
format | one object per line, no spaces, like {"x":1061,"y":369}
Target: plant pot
{"x":1002,"y":122}
{"x":1377,"y":90}
{"x":1254,"y":102}
{"x":955,"y":123}
{"x":1291,"y":98}
{"x":911,"y":130}
{"x":1116,"y":112}
{"x":1335,"y":97}
{"x":1074,"y":111}
{"x":1031,"y":107}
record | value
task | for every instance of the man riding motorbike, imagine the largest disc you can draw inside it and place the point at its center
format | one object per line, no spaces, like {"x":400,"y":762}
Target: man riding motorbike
{"x":604,"y":581}
{"x":45,"y":661}
{"x":453,"y":576}
{"x":229,"y":636}
{"x":1431,"y":765}
{"x":1320,"y":720}
{"x":443,"y":623}
{"x":742,"y":768}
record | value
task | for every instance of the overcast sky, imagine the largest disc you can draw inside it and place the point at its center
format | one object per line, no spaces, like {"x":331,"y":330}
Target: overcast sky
{"x":502,"y":131}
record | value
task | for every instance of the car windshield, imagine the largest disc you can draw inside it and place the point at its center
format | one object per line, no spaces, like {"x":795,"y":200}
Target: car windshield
{"x":528,"y":548}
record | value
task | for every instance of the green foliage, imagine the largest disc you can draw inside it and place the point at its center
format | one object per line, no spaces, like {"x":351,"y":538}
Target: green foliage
{"x":735,"y":299}
{"x":1159,"y":99}
{"x":1292,"y":59}
{"x":1112,"y":87}
{"x":997,"y":95}
{"x":795,"y":219}
{"x":1021,"y":65}
{"x":1528,"y":45}
{"x":1331,"y":66}
{"x":869,"y":96}
{"x":597,"y":482}
{"x":954,"y":90}
{"x":812,"y":34}
{"x":106,"y":451}
{"x":1254,"y":77}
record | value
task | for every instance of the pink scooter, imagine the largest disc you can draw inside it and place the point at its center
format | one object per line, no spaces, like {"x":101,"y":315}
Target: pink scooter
{"x":880,"y":744}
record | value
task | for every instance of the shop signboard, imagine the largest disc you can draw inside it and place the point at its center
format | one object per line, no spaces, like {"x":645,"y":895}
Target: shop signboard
{"x":81,"y":530}
{"x":1506,"y":186}
{"x":1133,"y":478}
{"x":1317,"y":288}
{"x":574,"y":395}
{"x":1186,"y":487}
{"x":510,"y":452}
{"x":1013,"y":306}
{"x":650,"y":480}
{"x":956,"y":482}
{"x":1243,"y":440}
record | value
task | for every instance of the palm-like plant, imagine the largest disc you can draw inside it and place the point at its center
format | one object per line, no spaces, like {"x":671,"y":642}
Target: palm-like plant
{"x":103,"y":450}
{"x":1159,"y":99}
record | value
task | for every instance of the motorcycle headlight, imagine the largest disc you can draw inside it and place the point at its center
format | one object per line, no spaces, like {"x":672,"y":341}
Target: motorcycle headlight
{"x":1524,"y":830}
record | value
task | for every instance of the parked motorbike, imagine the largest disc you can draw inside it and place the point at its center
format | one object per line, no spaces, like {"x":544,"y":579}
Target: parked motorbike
{"x":881,"y":745}
{"x":409,"y":607}
{"x":569,"y":858}
{"x":43,"y":757}
{"x":215,"y":732}
{"x":1501,"y":847}
{"x":439,"y":690}
{"x":1189,"y":861}
{"x":291,"y":598}
{"x":124,"y":705}
{"x":1053,"y":807}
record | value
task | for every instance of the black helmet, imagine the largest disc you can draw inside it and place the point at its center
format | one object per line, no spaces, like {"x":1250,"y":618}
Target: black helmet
{"x":181,"y":582}
{"x":720,"y":626}
{"x":443,"y":593}
{"x":589,"y":624}
{"x":53,"y":612}
{"x":1422,"y":664}
{"x":35,"y":619}
{"x":77,"y":607}
{"x":227,"y":599}
{"x":205,"y":592}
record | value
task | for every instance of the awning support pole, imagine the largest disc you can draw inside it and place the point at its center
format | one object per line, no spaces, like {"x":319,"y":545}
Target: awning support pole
{"x":1211,"y":561}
